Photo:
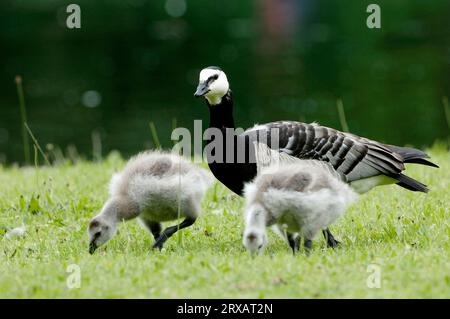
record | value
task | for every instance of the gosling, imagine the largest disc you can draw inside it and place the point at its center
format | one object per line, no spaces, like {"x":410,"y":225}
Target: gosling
{"x":154,"y":186}
{"x":299,"y":199}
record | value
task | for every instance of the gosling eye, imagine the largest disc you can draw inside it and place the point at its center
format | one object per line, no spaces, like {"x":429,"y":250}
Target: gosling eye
{"x":97,"y":234}
{"x":94,"y":224}
{"x":215,"y":76}
{"x":260,"y":246}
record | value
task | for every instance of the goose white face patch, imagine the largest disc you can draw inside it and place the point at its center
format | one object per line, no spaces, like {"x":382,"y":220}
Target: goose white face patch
{"x":205,"y":74}
{"x":217,"y":87}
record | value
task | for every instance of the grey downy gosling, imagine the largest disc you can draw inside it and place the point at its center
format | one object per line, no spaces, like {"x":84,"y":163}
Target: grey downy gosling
{"x":152,"y":186}
{"x":300,"y":198}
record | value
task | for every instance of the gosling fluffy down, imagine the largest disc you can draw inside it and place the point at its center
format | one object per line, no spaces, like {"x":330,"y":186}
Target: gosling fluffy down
{"x":302,"y":197}
{"x":152,"y":186}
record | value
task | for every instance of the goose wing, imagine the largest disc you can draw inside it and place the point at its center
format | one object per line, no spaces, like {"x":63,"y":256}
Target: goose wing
{"x":267,"y":158}
{"x":353,"y":157}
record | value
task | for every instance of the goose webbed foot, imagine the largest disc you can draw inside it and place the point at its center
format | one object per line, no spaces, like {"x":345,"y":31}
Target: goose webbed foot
{"x":169,"y":231}
{"x":331,"y":241}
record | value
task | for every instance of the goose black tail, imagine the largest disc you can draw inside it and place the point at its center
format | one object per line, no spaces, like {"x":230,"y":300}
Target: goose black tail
{"x":412,"y":155}
{"x":410,"y":183}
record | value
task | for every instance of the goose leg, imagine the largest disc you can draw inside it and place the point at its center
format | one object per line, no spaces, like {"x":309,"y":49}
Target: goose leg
{"x":294,"y":243}
{"x":169,"y":231}
{"x":331,"y":241}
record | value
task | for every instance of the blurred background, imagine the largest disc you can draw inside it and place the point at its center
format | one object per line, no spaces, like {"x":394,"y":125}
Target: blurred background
{"x":137,"y":61}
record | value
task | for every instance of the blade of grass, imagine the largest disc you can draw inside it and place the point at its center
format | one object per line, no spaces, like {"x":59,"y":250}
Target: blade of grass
{"x":446,"y":110}
{"x":36,"y":143}
{"x":72,"y":153}
{"x":96,"y":146}
{"x":180,"y":235}
{"x":174,"y":126}
{"x":36,"y":166}
{"x":447,"y":114}
{"x":342,"y":119}
{"x":55,"y":153}
{"x":23,"y":116}
{"x":154,"y":135}
{"x":36,"y":157}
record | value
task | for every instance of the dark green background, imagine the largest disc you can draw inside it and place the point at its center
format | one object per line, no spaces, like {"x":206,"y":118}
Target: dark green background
{"x":284,"y":59}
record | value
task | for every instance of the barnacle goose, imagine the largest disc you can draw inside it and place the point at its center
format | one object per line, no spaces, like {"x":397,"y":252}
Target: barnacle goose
{"x":152,"y":186}
{"x":361,"y":162}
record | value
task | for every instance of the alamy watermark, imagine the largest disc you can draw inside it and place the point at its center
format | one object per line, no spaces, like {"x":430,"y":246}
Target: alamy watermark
{"x":374,"y":278}
{"x":374,"y":19}
{"x":73,"y":280}
{"x":73,"y":20}
{"x":227,"y":145}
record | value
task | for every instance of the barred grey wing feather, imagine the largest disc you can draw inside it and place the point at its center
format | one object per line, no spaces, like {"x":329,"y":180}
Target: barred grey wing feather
{"x":267,"y":157}
{"x":351,"y":156}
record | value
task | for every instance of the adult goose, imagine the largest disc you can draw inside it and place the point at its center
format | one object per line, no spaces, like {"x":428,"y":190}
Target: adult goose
{"x":361,"y":162}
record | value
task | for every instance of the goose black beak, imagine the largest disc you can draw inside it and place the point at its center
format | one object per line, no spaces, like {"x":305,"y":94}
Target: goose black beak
{"x":92,"y":247}
{"x":202,"y":89}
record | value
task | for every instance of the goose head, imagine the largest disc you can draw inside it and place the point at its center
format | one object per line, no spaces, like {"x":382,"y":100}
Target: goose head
{"x":213,"y":85}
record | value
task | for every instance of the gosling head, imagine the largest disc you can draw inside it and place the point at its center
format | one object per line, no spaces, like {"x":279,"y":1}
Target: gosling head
{"x":213,"y":85}
{"x":100,"y":231}
{"x":103,"y":226}
{"x":255,"y":240}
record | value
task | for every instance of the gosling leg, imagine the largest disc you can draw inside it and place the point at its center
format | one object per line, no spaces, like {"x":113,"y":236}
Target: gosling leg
{"x":154,"y":227}
{"x":294,"y":243}
{"x":307,"y":243}
{"x":169,"y":231}
{"x":331,"y":241}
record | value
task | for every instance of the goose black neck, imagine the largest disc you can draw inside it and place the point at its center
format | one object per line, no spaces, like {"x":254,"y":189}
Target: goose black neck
{"x":221,"y":115}
{"x":233,"y":174}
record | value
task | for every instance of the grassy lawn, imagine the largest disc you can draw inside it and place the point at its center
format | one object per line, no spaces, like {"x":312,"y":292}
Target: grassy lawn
{"x":403,"y":235}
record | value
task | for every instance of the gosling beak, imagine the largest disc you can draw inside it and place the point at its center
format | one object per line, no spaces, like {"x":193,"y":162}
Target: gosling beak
{"x":92,"y":247}
{"x":202,"y":89}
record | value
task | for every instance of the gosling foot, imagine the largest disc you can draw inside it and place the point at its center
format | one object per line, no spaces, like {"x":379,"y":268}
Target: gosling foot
{"x":331,"y":241}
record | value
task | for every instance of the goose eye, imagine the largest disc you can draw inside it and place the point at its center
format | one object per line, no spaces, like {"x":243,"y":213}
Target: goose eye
{"x":213,"y":78}
{"x":97,"y":234}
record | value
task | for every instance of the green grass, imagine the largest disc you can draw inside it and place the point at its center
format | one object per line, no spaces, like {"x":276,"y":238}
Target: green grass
{"x":405,"y":233}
